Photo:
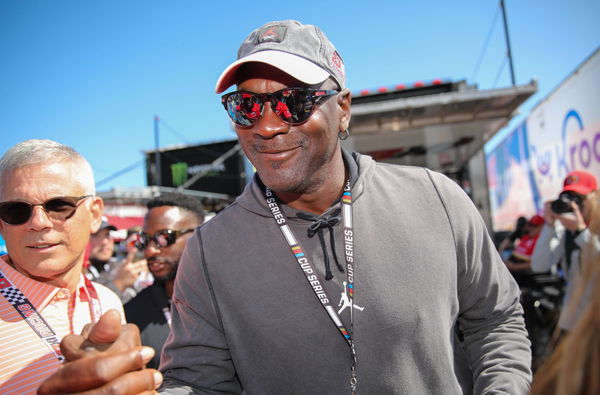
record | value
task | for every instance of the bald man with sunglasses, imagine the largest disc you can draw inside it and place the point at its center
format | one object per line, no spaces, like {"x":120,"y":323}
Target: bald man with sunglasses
{"x":331,"y":273}
{"x":48,"y":209}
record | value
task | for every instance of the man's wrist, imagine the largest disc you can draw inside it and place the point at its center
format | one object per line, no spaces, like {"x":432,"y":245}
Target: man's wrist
{"x":119,"y":284}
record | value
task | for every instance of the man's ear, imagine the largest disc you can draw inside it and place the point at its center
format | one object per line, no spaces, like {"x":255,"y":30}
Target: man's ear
{"x":344,"y":101}
{"x":97,"y":210}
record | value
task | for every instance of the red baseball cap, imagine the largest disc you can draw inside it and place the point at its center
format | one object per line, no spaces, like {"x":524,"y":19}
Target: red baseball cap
{"x":580,"y":181}
{"x":536,"y":220}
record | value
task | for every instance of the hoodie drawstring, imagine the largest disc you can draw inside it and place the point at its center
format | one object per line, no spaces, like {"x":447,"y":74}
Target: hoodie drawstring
{"x":317,"y":227}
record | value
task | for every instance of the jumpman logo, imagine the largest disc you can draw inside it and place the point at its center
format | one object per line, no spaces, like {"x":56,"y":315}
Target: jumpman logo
{"x":269,"y":34}
{"x":345,"y":300}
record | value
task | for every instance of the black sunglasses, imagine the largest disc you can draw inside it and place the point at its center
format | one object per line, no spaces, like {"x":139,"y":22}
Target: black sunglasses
{"x":18,"y":212}
{"x":162,"y":238}
{"x":292,"y":105}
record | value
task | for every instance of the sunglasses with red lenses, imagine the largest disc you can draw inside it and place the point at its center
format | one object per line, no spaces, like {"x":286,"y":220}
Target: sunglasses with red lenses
{"x":18,"y":212}
{"x":292,"y":105}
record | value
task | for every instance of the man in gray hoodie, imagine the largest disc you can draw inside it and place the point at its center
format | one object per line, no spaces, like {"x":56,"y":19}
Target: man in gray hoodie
{"x":331,"y":273}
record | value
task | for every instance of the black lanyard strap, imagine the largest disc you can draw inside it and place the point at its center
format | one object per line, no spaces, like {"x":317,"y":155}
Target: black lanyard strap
{"x":311,"y":274}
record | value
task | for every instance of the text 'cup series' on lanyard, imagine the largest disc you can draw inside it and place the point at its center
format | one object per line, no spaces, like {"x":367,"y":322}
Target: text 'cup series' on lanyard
{"x":311,"y":274}
{"x":15,"y":297}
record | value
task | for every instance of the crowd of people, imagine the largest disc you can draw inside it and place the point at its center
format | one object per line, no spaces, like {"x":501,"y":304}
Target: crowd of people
{"x":546,"y":259}
{"x":407,"y":295}
{"x":125,"y":277}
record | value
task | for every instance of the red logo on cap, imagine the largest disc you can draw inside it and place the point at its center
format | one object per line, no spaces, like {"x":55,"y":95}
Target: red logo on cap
{"x":572,"y":179}
{"x":337,"y":62}
{"x":271,"y":34}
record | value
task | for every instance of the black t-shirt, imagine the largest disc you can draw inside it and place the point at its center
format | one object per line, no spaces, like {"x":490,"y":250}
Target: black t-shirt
{"x":147,"y":311}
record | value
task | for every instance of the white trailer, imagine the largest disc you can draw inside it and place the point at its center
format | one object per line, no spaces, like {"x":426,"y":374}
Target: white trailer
{"x":560,"y":134}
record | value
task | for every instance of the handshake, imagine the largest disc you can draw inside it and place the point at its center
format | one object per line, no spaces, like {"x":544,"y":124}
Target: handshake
{"x":107,"y":358}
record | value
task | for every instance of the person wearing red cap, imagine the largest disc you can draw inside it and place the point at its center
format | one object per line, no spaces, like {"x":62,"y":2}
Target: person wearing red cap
{"x":565,"y":233}
{"x":519,"y":263}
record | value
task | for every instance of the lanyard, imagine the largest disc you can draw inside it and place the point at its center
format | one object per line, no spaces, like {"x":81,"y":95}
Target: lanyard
{"x":311,"y":274}
{"x":15,"y":297}
{"x":93,"y":301}
{"x":167,"y":313}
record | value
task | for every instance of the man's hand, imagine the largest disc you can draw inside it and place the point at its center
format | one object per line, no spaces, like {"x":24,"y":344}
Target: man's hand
{"x":549,"y":215}
{"x":129,"y":271}
{"x":106,"y":358}
{"x":108,"y":334}
{"x":573,"y":221}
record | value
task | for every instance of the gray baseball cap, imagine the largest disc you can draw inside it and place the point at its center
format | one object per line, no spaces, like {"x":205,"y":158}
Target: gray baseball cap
{"x":302,"y":51}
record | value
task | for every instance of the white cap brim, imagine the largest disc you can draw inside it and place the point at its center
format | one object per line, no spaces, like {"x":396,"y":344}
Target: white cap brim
{"x":301,"y":69}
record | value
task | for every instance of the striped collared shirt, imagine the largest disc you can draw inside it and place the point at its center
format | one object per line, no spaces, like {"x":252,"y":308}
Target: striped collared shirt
{"x":26,"y":360}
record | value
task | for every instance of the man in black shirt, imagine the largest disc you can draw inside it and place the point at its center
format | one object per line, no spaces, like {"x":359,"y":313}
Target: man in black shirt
{"x":170,"y":221}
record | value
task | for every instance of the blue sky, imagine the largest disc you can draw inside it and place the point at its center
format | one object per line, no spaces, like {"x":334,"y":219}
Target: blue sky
{"x":92,"y":74}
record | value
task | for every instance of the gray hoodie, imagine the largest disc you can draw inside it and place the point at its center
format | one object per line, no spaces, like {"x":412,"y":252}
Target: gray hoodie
{"x":244,"y":317}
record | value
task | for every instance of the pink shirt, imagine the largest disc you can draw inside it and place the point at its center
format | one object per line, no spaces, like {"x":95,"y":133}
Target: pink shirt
{"x":26,"y":360}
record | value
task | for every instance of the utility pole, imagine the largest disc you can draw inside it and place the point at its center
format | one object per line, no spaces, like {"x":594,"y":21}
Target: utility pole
{"x":157,"y":179}
{"x":509,"y":52}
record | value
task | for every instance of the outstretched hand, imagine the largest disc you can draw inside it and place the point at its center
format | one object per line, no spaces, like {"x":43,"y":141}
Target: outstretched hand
{"x":107,"y":358}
